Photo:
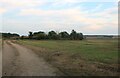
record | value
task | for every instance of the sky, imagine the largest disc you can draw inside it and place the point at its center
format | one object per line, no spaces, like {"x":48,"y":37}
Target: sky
{"x":86,"y":16}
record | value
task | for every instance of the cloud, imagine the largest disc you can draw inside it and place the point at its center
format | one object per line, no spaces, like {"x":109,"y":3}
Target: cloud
{"x":75,"y":1}
{"x":90,"y":21}
{"x":3,"y":10}
{"x":33,"y":3}
{"x":22,"y":3}
{"x":32,"y":12}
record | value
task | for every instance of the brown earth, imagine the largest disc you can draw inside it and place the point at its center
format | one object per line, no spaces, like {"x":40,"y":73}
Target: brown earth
{"x":21,"y":61}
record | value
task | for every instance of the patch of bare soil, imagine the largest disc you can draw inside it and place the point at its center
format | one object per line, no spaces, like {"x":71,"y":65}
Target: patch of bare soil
{"x":21,"y":61}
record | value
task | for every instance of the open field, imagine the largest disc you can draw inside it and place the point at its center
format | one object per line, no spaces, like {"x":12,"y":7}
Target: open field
{"x":87,"y":57}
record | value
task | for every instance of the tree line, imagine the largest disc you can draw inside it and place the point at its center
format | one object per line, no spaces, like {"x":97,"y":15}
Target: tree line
{"x":51,"y":35}
{"x":9,"y":35}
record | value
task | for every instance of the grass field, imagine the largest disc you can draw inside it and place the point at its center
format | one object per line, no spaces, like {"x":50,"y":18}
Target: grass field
{"x":87,"y":57}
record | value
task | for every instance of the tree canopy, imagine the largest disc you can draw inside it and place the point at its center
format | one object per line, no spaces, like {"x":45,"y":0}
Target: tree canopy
{"x":51,"y":35}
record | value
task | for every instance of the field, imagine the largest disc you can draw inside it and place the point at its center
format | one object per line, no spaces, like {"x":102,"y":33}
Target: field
{"x":78,"y":58}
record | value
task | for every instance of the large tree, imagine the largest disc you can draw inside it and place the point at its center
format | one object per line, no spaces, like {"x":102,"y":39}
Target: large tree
{"x":79,"y":36}
{"x":76,"y":36}
{"x":53,"y":35}
{"x":64,"y":35}
{"x":39,"y":35}
{"x":73,"y":35}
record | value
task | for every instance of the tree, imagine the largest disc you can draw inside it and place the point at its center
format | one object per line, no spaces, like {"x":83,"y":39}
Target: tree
{"x":79,"y":36}
{"x":9,"y":35}
{"x":53,"y":35}
{"x":15,"y":35}
{"x":39,"y":35}
{"x":64,"y":35}
{"x":73,"y":35}
{"x":76,"y":36}
{"x":30,"y":35}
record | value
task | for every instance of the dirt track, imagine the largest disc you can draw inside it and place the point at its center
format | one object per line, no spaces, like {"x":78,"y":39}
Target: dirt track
{"x":21,"y":61}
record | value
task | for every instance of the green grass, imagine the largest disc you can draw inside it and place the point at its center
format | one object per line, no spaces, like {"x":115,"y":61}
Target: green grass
{"x":105,"y":51}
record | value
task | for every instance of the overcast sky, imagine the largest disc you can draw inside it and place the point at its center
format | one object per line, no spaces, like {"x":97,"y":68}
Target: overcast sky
{"x":93,"y":17}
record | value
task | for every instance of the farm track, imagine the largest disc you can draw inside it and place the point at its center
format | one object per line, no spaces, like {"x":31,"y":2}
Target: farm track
{"x":21,"y":61}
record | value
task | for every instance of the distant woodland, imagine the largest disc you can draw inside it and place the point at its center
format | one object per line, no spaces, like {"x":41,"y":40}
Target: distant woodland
{"x":51,"y":35}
